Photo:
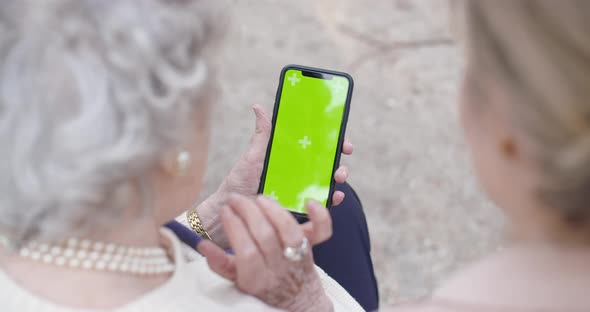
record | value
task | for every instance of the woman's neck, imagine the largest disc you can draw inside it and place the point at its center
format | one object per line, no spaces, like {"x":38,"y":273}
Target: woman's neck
{"x":549,"y":231}
{"x":98,"y":292}
{"x":542,"y":269}
{"x":141,"y":232}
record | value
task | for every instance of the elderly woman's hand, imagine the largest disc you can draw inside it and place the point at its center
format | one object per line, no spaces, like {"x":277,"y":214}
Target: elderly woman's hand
{"x":244,"y":178}
{"x":260,"y":232}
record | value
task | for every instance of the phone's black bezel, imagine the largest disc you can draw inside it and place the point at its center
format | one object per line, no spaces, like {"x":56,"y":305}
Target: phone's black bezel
{"x":342,"y":124}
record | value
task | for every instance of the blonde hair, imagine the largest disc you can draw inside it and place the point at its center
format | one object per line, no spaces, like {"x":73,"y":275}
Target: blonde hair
{"x":539,"y":51}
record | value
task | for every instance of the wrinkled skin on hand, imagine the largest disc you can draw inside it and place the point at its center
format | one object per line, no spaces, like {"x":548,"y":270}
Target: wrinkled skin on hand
{"x":244,"y":178}
{"x":258,"y":231}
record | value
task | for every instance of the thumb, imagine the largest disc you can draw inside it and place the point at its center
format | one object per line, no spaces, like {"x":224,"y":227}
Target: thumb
{"x":319,"y":227}
{"x":218,"y":261}
{"x":263,"y":127}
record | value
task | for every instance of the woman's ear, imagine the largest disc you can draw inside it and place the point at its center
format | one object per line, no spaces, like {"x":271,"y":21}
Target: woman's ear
{"x":509,"y":148}
{"x":505,"y":133}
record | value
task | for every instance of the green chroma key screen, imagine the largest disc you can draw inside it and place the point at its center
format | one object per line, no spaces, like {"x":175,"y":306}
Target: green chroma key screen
{"x":305,"y":140}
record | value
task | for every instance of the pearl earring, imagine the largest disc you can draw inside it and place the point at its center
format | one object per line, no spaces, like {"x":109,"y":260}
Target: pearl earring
{"x":183,"y":163}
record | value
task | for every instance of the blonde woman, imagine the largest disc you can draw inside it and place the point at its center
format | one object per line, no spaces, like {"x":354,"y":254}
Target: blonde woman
{"x":103,"y":127}
{"x":526,"y":114}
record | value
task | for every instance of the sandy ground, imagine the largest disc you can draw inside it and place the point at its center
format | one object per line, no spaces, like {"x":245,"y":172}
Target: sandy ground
{"x":425,"y":212}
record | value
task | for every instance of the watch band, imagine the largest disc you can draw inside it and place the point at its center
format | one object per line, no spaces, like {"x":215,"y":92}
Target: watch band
{"x":196,"y":224}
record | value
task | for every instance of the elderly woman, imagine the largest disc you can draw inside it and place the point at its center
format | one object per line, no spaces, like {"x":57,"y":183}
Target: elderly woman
{"x":104,"y":124}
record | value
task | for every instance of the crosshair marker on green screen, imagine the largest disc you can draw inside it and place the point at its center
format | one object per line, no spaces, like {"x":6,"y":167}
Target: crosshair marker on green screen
{"x":305,"y":139}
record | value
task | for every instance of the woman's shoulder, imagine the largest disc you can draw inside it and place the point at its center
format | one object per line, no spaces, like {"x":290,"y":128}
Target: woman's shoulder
{"x":477,"y":280}
{"x":517,"y":278}
{"x":198,"y":288}
{"x":218,"y":291}
{"x":218,"y":287}
{"x":483,"y":283}
{"x":223,"y":291}
{"x":191,"y":287}
{"x":195,"y":286}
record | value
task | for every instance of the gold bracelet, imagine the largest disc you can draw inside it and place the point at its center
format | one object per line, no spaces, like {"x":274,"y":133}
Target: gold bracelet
{"x":196,"y":224}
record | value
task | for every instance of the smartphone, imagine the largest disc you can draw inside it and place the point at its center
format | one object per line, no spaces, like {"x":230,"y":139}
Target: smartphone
{"x":309,"y":122}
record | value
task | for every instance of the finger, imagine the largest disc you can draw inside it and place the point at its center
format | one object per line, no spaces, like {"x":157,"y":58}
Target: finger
{"x":283,"y":222}
{"x":263,"y":127}
{"x":341,"y":174}
{"x":347,"y":148}
{"x":320,"y":223}
{"x":258,"y":225}
{"x":246,"y":252}
{"x":218,"y":260}
{"x":337,"y":198}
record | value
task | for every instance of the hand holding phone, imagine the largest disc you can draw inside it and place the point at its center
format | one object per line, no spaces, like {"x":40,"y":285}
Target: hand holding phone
{"x":309,"y":122}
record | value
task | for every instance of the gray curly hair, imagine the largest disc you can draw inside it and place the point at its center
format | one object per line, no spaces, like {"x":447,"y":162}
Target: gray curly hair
{"x":91,"y":92}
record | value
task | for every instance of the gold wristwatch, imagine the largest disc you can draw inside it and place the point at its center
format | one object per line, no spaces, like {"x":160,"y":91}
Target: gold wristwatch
{"x":196,"y":224}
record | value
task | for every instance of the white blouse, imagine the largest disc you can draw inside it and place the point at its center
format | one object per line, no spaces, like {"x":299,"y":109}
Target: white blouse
{"x":192,"y":287}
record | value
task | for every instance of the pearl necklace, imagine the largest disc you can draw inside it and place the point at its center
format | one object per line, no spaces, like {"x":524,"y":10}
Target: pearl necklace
{"x":99,"y":256}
